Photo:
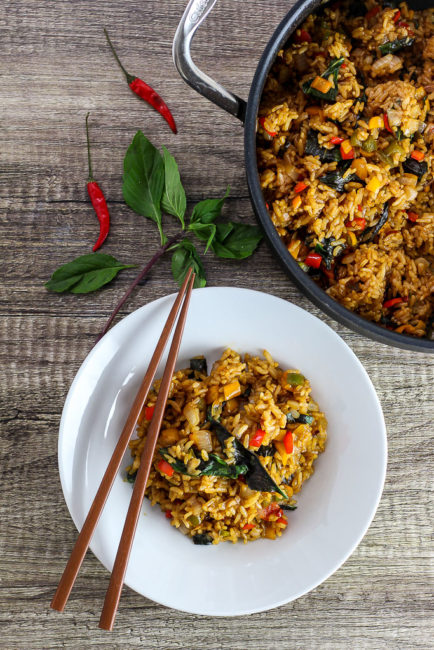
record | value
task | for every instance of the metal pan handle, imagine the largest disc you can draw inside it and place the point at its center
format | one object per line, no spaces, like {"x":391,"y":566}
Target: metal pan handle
{"x":195,"y":13}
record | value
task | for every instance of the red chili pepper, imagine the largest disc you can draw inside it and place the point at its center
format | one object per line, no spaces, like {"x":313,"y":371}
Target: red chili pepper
{"x":412,"y":216}
{"x":144,"y":91}
{"x":393,"y":302}
{"x":299,"y":187}
{"x":336,"y":139}
{"x":271,"y":133}
{"x":165,"y":468}
{"x":149,"y":412}
{"x":282,"y":520}
{"x":168,"y":514}
{"x":288,"y":442}
{"x":248,"y":526}
{"x":359,"y":207}
{"x":344,"y":65}
{"x":386,"y":123}
{"x":257,"y":438}
{"x":373,"y":12}
{"x":303,"y":37}
{"x":397,"y":16}
{"x":97,"y":199}
{"x":314,"y":260}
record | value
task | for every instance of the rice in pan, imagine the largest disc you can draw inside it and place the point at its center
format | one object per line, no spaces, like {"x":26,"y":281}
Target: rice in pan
{"x":234,"y":449}
{"x":345,"y":156}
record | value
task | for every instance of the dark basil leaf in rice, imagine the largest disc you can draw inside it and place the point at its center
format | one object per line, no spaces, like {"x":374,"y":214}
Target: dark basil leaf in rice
{"x":395,"y":46}
{"x":336,"y":181}
{"x":199,"y":364}
{"x":202,"y":539}
{"x":215,"y":466}
{"x":257,"y":477}
{"x":285,"y":506}
{"x":131,"y":477}
{"x":312,"y":148}
{"x":266,"y":450}
{"x":326,"y":248}
{"x":301,"y":419}
{"x":369,"y":234}
{"x":411,"y":166}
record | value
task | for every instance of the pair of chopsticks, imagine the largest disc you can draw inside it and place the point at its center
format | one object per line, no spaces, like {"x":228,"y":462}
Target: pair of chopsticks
{"x":72,"y":568}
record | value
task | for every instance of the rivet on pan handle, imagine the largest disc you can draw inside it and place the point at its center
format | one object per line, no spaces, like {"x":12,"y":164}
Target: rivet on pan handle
{"x":195,"y":13}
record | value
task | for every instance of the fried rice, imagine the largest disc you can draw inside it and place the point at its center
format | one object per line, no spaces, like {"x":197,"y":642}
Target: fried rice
{"x":234,"y":449}
{"x":345,"y":156}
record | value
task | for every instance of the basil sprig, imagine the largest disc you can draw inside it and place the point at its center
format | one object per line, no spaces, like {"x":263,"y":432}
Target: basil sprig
{"x":152,"y":187}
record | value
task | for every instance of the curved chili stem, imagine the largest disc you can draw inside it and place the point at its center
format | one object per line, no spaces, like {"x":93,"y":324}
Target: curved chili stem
{"x":136,"y":281}
{"x":91,"y":178}
{"x":128,"y":76}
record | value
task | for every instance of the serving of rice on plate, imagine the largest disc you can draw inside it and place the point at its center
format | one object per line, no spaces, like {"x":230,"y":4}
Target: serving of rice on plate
{"x":235,"y":447}
{"x":345,"y":157}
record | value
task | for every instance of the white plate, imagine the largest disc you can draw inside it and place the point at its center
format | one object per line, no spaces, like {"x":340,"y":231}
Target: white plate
{"x":335,"y":507}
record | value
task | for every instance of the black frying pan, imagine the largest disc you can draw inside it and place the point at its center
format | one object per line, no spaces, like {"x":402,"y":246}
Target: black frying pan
{"x":195,"y":13}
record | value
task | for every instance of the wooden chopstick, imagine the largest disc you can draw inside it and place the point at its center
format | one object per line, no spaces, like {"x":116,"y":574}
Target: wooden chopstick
{"x":114,"y":590}
{"x":83,"y":540}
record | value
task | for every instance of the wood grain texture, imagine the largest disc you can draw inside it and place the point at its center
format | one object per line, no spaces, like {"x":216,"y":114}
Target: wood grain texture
{"x":55,"y":67}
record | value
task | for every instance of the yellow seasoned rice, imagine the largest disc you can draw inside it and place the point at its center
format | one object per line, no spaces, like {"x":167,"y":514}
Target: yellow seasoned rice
{"x":243,"y":395}
{"x":365,"y":263}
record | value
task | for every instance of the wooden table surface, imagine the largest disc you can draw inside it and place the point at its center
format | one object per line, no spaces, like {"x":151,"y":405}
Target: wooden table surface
{"x":55,"y":67}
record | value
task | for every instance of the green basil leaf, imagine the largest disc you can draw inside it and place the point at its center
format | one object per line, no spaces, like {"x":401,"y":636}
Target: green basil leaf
{"x":86,"y":273}
{"x":185,"y":256}
{"x":173,"y":200}
{"x":143,"y":180}
{"x":235,"y":240}
{"x":204,"y":231}
{"x":208,"y":210}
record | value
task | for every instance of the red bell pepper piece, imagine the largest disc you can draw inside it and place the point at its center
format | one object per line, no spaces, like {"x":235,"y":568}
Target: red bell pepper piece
{"x":373,"y":12}
{"x":270,"y":133}
{"x":303,"y":37}
{"x":272,"y":509}
{"x":149,"y":412}
{"x":336,"y":139}
{"x":397,"y":16}
{"x":299,"y":187}
{"x":412,"y":216}
{"x":314,"y":260}
{"x":393,"y":302}
{"x":288,"y":442}
{"x":386,"y":123}
{"x":257,"y":438}
{"x":169,"y":514}
{"x":248,"y":526}
{"x":282,"y":520}
{"x":165,"y":468}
